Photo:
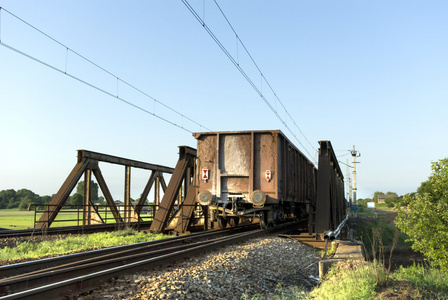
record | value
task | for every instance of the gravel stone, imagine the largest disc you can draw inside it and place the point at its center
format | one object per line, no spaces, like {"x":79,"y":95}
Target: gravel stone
{"x":231,"y":272}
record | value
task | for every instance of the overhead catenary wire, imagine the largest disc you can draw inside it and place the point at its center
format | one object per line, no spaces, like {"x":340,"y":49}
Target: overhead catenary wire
{"x":261,"y":74}
{"x":64,"y":71}
{"x":249,"y":80}
{"x":342,"y":155}
{"x":344,"y":164}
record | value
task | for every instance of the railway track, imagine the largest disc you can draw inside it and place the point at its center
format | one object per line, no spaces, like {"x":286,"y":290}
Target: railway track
{"x":69,"y":229}
{"x":74,"y":274}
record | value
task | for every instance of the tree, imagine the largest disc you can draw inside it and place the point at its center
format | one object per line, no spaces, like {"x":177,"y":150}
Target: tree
{"x":5,"y":195}
{"x":375,"y":196}
{"x":76,"y":199}
{"x":21,"y":199}
{"x":8,"y":199}
{"x":93,"y":190}
{"x":46,"y":199}
{"x":390,"y":201}
{"x":102,"y":201}
{"x":361,"y":202}
{"x":425,"y":220}
{"x":26,"y":197}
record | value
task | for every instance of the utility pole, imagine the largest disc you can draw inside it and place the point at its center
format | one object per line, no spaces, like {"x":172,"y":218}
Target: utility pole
{"x":354,"y":155}
{"x":348,"y":187}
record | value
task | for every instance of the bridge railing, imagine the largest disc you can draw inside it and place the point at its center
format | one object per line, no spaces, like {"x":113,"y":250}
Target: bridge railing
{"x":73,"y":215}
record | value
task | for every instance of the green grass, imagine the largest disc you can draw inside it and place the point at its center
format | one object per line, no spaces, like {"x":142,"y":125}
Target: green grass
{"x":16,"y":219}
{"x":368,"y":280}
{"x":365,"y":281}
{"x":431,"y":282}
{"x":367,"y":227}
{"x":377,"y":220}
{"x":76,"y":243}
{"x":371,"y":212}
{"x":383,"y":206}
{"x":22,"y":219}
{"x":346,"y":281}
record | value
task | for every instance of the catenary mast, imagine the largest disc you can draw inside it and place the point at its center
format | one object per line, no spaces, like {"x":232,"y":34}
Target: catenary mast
{"x":354,"y":155}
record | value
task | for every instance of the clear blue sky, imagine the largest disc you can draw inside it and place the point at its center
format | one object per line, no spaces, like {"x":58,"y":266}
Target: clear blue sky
{"x":373,"y":74}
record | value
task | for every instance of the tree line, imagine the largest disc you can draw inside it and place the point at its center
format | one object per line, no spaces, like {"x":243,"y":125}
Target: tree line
{"x":23,"y":198}
{"x":391,"y":199}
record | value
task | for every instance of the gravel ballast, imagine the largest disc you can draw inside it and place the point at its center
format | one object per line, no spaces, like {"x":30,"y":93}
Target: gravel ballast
{"x":248,"y":269}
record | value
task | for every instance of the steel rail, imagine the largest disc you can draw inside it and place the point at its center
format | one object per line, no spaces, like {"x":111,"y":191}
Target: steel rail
{"x":30,"y":267}
{"x":75,"y":282}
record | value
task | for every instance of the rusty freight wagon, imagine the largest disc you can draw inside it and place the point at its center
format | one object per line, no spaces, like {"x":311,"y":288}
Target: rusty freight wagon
{"x":253,"y":174}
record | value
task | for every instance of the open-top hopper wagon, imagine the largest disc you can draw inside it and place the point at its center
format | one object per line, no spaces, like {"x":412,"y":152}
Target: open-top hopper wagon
{"x":253,"y":174}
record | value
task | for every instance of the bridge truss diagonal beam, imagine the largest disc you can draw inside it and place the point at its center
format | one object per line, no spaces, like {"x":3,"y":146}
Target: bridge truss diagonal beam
{"x":88,"y":163}
{"x":187,"y":161}
{"x":61,"y":196}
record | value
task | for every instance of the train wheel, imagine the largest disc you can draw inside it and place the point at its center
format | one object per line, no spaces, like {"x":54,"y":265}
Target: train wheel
{"x":234,"y":221}
{"x":222,"y":223}
{"x":264,"y":220}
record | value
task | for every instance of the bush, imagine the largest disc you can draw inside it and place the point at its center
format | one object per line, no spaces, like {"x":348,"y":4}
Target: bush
{"x":389,"y":202}
{"x":362,"y":202}
{"x":425,"y":220}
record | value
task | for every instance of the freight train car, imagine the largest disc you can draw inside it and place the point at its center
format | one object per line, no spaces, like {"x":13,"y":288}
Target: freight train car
{"x":253,"y":174}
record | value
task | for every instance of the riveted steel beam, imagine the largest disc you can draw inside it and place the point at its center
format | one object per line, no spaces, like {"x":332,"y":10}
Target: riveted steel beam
{"x":82,"y":154}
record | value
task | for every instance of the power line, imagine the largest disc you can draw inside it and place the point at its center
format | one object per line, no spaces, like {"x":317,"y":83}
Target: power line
{"x":344,"y":164}
{"x":116,"y":95}
{"x":261,"y":73}
{"x":248,"y":79}
{"x":342,"y":155}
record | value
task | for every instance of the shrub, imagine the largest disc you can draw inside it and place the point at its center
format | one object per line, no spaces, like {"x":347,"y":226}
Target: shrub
{"x":390,"y":202}
{"x":425,"y":220}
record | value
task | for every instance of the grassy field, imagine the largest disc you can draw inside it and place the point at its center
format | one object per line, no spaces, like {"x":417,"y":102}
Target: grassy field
{"x":16,"y":219}
{"x":21,"y":219}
